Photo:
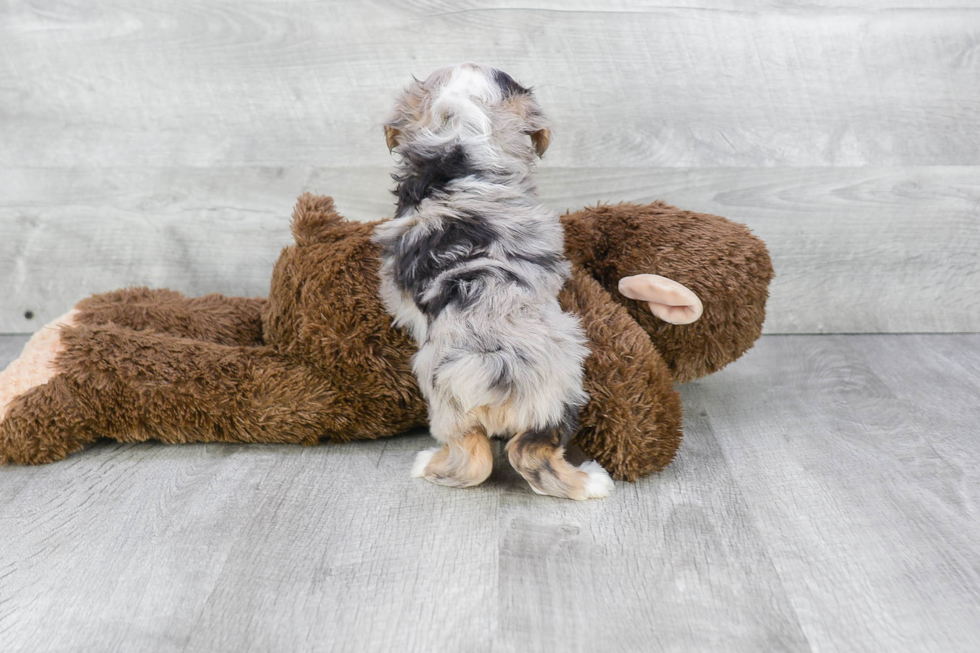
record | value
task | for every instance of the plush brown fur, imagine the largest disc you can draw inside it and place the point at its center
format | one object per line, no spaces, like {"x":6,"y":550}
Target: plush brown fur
{"x":721,"y":261}
{"x":320,"y":360}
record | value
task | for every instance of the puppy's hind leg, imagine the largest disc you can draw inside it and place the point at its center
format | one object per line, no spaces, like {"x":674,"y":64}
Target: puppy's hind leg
{"x":464,"y":461}
{"x":538,"y":456}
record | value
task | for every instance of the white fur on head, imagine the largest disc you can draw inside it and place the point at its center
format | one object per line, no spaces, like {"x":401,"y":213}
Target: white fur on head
{"x":473,"y":102}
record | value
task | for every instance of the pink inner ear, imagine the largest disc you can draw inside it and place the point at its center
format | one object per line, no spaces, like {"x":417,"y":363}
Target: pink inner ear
{"x":668,"y":300}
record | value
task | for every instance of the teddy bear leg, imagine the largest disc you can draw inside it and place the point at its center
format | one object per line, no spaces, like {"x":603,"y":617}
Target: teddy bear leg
{"x":211,"y":318}
{"x":35,"y":365}
{"x":44,"y":424}
{"x":142,"y":385}
{"x":35,"y":374}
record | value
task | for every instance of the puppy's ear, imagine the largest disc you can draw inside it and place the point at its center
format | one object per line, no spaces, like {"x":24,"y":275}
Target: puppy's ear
{"x":391,"y":137}
{"x":534,"y":121}
{"x":541,"y":139}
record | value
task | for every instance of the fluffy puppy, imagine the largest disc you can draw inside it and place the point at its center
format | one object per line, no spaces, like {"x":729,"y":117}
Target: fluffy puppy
{"x":471,"y":265}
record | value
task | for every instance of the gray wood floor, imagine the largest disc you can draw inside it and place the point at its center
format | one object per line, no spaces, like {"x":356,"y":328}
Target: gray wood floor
{"x":826,"y":498}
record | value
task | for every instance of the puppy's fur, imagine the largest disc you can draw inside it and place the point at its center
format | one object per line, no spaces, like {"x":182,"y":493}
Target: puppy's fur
{"x":472,"y":265}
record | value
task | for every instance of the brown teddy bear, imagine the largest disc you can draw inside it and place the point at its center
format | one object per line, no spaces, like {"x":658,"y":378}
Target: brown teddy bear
{"x":320,"y":359}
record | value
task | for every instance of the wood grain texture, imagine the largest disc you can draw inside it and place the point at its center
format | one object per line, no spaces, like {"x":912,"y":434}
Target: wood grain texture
{"x":855,"y":468}
{"x":825,"y":498}
{"x":855,"y":249}
{"x":665,"y":84}
{"x":162,"y":143}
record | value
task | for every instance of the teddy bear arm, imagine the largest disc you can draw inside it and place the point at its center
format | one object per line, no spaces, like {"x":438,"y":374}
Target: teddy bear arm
{"x":632,"y":423}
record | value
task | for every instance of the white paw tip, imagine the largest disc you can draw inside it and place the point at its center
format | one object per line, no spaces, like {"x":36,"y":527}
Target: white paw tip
{"x":422,"y":459}
{"x":600,"y":485}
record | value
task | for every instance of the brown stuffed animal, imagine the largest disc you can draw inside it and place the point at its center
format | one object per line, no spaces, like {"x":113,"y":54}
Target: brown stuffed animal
{"x":320,"y":359}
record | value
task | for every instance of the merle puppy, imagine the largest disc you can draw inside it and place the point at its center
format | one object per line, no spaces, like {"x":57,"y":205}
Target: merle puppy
{"x":472,"y":264}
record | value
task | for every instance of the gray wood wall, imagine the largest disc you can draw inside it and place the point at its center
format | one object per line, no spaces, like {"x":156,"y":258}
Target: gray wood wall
{"x":163,"y":142}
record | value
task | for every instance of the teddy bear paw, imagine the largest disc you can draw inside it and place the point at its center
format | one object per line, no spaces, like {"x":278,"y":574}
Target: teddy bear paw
{"x":35,"y":366}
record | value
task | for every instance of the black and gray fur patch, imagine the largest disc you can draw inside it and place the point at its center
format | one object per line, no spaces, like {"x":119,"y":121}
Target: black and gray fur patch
{"x":508,"y":86}
{"x":425,"y":173}
{"x":417,"y":261}
{"x":551,"y":261}
{"x":464,"y":288}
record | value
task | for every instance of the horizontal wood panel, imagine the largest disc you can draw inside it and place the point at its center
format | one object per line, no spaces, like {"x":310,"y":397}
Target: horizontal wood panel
{"x":855,"y":249}
{"x":664,"y":84}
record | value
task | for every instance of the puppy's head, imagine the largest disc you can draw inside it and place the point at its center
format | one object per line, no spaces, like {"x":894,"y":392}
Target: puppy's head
{"x":473,"y":104}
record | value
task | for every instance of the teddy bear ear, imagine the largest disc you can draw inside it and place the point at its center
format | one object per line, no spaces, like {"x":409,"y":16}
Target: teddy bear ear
{"x":670,"y":301}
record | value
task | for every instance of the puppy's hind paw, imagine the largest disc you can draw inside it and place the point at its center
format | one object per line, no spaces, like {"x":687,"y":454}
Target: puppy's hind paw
{"x":422,"y":459}
{"x":599,"y":485}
